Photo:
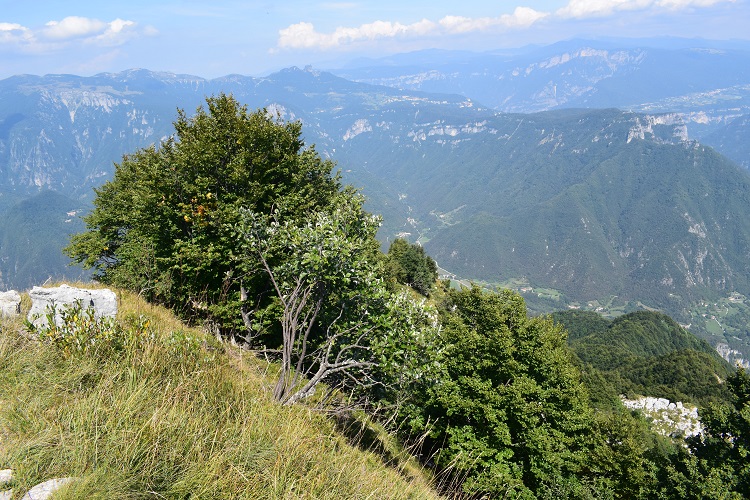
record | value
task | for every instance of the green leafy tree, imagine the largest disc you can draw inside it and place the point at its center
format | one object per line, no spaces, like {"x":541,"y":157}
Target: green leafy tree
{"x":164,"y":225}
{"x":625,"y":456}
{"x":719,"y":463}
{"x":506,"y":412}
{"x":409,"y":264}
{"x":333,"y":303}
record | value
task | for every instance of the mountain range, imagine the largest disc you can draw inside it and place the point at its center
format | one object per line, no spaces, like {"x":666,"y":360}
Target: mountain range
{"x":576,"y":206}
{"x":704,"y":82}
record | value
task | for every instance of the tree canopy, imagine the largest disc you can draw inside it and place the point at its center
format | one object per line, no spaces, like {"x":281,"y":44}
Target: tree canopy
{"x":164,"y":226}
{"x":234,"y":222}
{"x":507,"y":409}
{"x":409,"y":264}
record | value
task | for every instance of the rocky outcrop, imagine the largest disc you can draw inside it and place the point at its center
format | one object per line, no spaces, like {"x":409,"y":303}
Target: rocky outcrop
{"x":43,"y":491}
{"x":732,"y":356}
{"x":10,"y":303}
{"x":104,"y":302}
{"x":6,"y":476}
{"x":667,"y":418}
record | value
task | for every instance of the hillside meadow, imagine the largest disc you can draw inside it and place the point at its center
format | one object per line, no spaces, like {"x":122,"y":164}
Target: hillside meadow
{"x":178,"y":415}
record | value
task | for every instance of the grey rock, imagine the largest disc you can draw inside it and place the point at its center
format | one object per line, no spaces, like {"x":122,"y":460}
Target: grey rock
{"x":10,"y":303}
{"x":6,"y":476}
{"x":43,"y":491}
{"x":103,"y":301}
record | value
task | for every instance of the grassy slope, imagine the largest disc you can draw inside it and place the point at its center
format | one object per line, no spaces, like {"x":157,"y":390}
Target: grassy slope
{"x":192,"y":421}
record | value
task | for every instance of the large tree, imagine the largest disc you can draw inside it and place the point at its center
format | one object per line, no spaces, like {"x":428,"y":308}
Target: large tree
{"x":234,"y":221}
{"x":505,"y":412}
{"x":164,"y":225}
{"x":718,"y":465}
{"x":410,"y":265}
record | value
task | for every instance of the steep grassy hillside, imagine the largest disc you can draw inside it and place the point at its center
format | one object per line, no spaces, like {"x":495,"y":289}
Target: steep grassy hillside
{"x":177,"y":416}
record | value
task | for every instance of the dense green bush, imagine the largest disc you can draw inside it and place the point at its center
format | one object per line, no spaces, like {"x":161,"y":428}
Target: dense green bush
{"x":506,"y":411}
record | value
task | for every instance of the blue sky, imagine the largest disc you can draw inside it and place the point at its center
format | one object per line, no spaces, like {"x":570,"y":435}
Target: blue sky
{"x":221,"y":37}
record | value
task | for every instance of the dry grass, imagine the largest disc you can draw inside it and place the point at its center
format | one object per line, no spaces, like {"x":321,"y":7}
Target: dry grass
{"x":173,"y":421}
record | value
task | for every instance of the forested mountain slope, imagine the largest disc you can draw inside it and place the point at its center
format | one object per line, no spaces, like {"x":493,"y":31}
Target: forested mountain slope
{"x":703,"y":81}
{"x":644,"y":353}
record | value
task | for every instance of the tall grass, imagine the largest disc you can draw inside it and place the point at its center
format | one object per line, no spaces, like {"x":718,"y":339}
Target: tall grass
{"x":177,"y":416}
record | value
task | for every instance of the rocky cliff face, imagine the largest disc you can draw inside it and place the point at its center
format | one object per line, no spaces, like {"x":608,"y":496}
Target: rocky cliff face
{"x":63,"y":133}
{"x":733,"y":356}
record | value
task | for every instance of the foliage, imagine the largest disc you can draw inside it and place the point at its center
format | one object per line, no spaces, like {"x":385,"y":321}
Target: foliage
{"x":626,"y":459}
{"x":333,"y":303}
{"x":506,"y":411}
{"x":408,"y":264}
{"x":725,"y":445}
{"x":580,"y":323}
{"x":163,"y":226}
{"x":76,"y":329}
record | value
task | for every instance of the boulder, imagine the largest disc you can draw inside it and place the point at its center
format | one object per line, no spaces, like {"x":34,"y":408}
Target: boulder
{"x":104,"y":302}
{"x":44,"y":490}
{"x":10,"y":303}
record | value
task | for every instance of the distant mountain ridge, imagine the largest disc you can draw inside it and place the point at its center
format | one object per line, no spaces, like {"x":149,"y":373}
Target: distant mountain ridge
{"x":706,"y":82}
{"x":63,"y":132}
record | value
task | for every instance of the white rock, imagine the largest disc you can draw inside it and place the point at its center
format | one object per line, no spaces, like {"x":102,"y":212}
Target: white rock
{"x":43,"y":491}
{"x":10,"y":303}
{"x":668,"y":418}
{"x":104,"y":302}
{"x":6,"y":476}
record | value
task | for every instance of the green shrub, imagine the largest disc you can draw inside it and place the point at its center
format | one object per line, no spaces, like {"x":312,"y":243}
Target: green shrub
{"x":77,"y":329}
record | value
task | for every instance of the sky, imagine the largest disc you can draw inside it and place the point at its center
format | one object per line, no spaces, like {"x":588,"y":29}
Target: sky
{"x":221,"y":37}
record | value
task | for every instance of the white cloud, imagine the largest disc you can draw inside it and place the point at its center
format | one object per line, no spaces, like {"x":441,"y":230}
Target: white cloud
{"x":598,"y":8}
{"x":55,"y":35}
{"x":11,"y":27}
{"x":522,"y":17}
{"x":303,"y":35}
{"x":73,"y":27}
{"x":14,"y":33}
{"x":680,"y":4}
{"x":117,"y":32}
{"x":90,"y":30}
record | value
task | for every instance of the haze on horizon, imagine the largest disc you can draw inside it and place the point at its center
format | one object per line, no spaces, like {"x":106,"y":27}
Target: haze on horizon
{"x":257,"y":37}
